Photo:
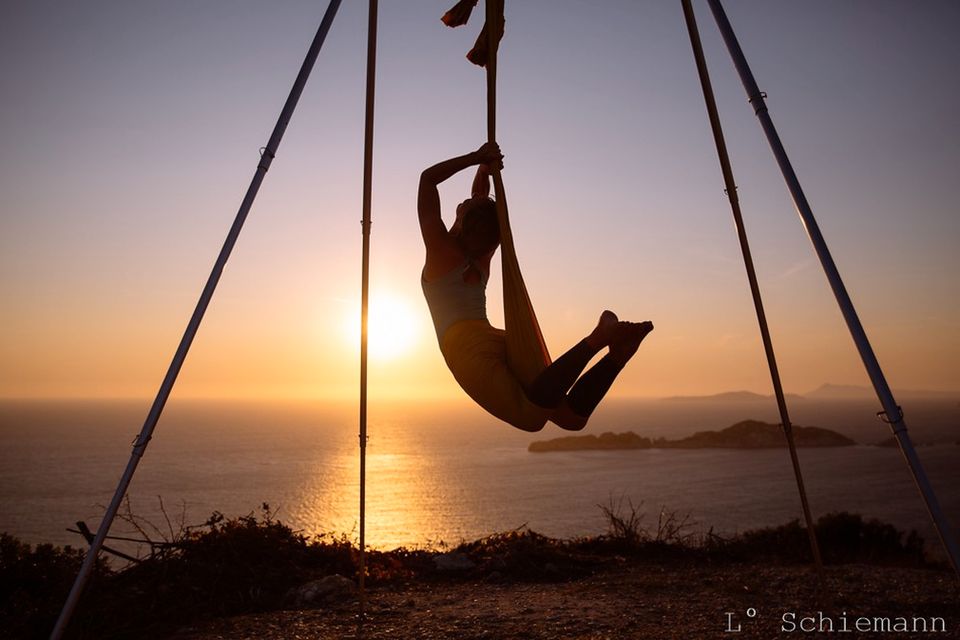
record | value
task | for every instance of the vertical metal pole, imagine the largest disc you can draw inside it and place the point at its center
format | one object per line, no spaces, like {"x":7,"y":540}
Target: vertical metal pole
{"x":146,"y":433}
{"x":494,"y":9}
{"x":891,"y":410}
{"x":365,"y":287}
{"x":494,"y":15}
{"x":731,"y":189}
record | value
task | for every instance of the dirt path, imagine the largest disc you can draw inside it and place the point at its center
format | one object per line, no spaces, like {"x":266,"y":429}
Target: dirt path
{"x":633,"y":600}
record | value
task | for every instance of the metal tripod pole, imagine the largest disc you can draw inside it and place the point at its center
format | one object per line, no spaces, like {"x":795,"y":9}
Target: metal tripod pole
{"x":146,"y":433}
{"x":891,"y":413}
{"x":365,"y":287}
{"x":731,"y":189}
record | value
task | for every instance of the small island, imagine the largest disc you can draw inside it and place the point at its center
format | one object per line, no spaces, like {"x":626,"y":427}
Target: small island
{"x":749,"y":434}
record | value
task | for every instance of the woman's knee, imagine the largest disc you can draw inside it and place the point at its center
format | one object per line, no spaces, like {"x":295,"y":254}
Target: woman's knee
{"x":530,"y":428}
{"x":568,"y":419}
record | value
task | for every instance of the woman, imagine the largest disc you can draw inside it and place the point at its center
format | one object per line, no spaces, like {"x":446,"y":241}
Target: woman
{"x":454,"y":283}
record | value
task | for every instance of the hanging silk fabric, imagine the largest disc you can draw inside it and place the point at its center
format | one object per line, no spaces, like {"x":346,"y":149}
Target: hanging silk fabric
{"x":527,"y":353}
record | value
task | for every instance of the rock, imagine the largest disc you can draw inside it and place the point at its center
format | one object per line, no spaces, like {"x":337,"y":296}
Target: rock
{"x":604,"y":441}
{"x":453,"y":561}
{"x":748,"y":434}
{"x":753,"y":434}
{"x":323,"y":591}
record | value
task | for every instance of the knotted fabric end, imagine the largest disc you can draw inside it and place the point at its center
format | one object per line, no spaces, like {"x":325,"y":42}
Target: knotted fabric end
{"x":459,"y":14}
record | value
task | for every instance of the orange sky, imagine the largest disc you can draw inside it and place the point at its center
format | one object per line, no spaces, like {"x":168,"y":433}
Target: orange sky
{"x":130,"y":139}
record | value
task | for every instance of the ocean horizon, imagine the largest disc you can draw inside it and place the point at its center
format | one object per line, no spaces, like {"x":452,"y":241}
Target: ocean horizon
{"x":447,"y":472}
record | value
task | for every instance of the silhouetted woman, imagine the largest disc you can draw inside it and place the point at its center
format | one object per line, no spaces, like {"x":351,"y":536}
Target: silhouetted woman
{"x":454,"y":283}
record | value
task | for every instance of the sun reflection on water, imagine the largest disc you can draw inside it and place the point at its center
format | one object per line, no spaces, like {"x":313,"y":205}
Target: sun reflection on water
{"x":407,"y":498}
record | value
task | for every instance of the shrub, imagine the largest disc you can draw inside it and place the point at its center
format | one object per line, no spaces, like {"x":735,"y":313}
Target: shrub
{"x":34,"y":583}
{"x":842,"y":537}
{"x":625,"y":527}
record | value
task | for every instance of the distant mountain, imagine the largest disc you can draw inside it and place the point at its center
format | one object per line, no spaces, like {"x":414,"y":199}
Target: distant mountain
{"x":731,"y":396}
{"x":835,"y":391}
{"x":826,"y":391}
{"x":853,"y":392}
{"x":753,"y":434}
{"x":749,"y":434}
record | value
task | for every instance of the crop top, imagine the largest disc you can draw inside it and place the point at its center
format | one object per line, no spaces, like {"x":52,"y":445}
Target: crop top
{"x":451,"y":299}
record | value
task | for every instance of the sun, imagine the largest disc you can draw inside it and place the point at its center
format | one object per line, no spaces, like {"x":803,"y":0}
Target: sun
{"x":392,"y":327}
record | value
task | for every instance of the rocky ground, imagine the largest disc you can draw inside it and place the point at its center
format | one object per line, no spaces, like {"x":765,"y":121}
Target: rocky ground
{"x":637,"y":598}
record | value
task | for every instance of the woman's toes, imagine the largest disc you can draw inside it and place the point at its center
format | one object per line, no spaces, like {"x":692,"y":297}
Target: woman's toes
{"x":605,"y":330}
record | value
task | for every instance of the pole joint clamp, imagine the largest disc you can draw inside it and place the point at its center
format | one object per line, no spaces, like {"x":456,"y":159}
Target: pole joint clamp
{"x":270,"y":155}
{"x":882,"y":415}
{"x":759,"y":99}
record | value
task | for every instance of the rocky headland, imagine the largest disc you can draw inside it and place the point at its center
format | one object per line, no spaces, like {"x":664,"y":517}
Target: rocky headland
{"x":749,"y":434}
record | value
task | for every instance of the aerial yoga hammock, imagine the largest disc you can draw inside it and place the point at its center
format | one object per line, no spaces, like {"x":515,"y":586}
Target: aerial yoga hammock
{"x":507,"y":372}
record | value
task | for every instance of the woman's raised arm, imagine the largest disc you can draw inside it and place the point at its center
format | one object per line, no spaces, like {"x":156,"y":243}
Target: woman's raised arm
{"x":428,"y":198}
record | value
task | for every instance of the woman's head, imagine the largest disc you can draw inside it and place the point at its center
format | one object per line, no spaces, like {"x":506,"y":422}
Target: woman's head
{"x":477,"y":226}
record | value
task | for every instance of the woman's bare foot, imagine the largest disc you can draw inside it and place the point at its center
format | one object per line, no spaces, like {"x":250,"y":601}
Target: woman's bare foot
{"x":627,"y":339}
{"x":604,"y":332}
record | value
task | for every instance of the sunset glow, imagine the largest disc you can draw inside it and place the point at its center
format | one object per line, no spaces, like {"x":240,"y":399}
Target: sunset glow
{"x":393,"y":329}
{"x":616,"y":196}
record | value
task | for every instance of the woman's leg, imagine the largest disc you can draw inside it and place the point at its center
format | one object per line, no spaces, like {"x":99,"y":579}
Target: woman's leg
{"x":550,"y":387}
{"x":590,"y":389}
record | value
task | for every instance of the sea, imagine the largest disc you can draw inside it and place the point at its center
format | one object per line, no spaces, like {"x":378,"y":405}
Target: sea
{"x":438,"y":473}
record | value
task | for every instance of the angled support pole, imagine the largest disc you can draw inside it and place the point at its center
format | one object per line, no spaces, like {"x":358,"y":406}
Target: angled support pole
{"x":365,"y":287}
{"x":891,"y":410}
{"x":146,"y":433}
{"x":731,"y":189}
